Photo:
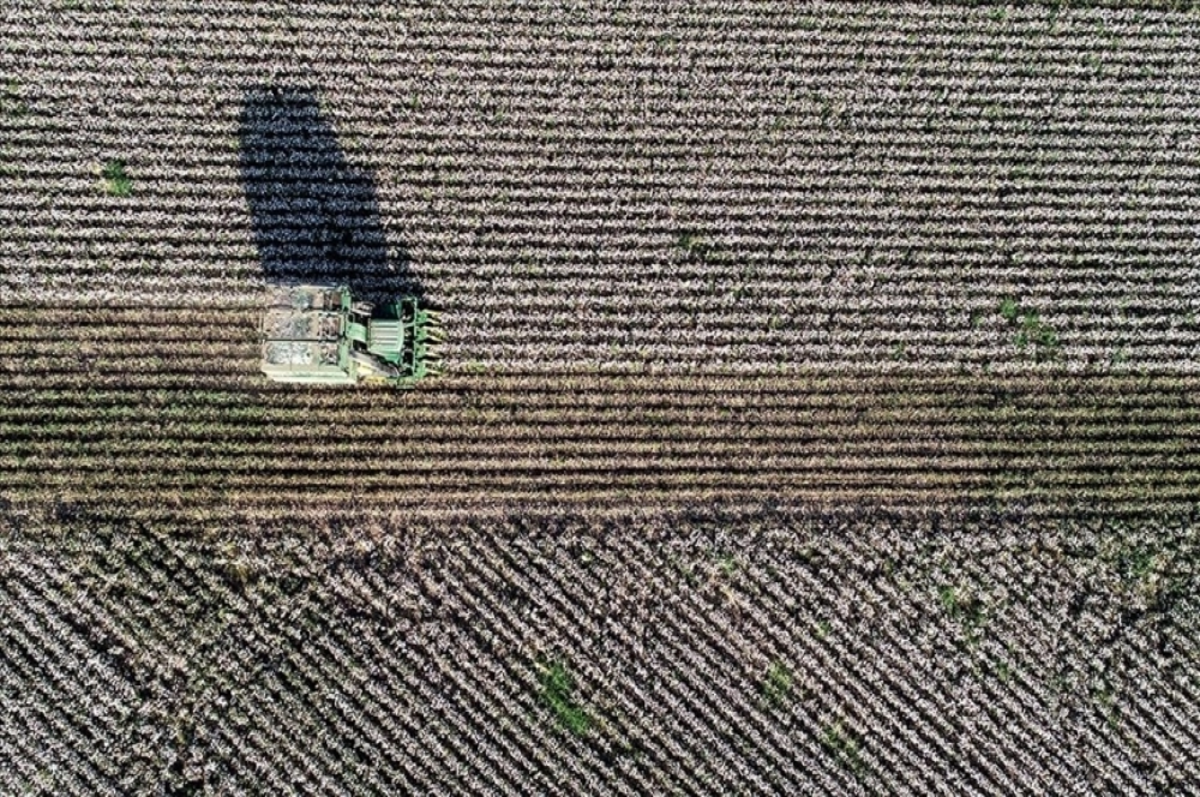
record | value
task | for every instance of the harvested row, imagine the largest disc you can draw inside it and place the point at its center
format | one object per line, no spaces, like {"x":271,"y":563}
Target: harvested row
{"x":536,"y":435}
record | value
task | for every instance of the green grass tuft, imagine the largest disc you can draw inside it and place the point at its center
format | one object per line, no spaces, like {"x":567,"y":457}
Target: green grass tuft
{"x":557,"y":689}
{"x":961,"y":605}
{"x":694,"y":244}
{"x":1032,"y":330}
{"x":116,"y":179}
{"x":838,"y":740}
{"x":1008,"y":309}
{"x":777,"y":684}
{"x":11,"y":102}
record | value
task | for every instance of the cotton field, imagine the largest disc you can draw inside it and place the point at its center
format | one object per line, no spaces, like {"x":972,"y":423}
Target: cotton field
{"x":818,"y":410}
{"x":741,"y":186}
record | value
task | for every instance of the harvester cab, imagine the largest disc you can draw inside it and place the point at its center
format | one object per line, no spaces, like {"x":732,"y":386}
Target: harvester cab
{"x":319,"y":334}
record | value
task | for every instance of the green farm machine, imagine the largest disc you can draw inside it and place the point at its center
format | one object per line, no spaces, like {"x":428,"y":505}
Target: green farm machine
{"x":319,"y":334}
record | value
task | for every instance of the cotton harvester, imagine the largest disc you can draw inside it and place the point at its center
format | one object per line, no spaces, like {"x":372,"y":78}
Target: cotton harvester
{"x":319,"y":334}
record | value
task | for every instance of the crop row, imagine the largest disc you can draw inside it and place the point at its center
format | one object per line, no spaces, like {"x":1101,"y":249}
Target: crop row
{"x":853,"y":651}
{"x":840,"y":164}
{"x":785,"y":323}
{"x":682,"y":341}
{"x":700,"y":30}
{"x":879,"y":165}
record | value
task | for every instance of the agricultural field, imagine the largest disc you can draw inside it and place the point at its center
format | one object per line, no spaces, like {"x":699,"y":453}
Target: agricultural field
{"x":820,"y":407}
